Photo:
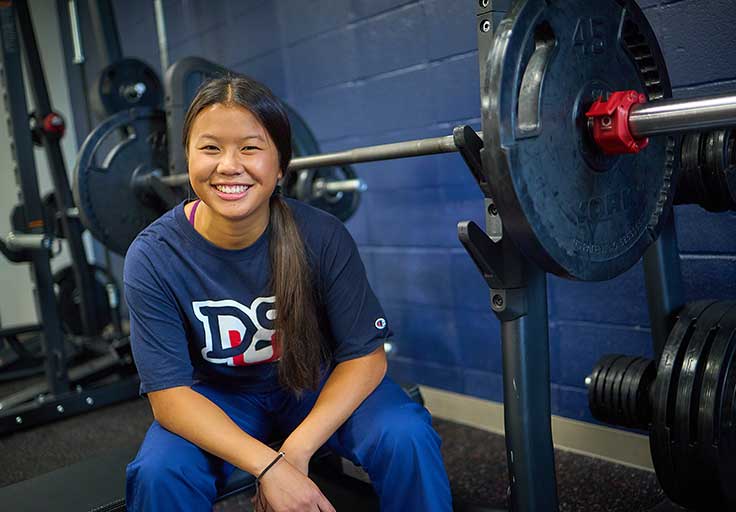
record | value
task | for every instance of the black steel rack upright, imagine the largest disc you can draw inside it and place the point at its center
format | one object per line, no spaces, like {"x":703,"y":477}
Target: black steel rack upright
{"x":67,"y":391}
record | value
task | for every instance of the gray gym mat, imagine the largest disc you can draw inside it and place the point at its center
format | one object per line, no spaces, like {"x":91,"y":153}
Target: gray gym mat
{"x":475,"y":461}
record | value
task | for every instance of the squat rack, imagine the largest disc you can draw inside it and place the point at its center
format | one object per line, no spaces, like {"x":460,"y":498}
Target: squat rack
{"x":66,"y":390}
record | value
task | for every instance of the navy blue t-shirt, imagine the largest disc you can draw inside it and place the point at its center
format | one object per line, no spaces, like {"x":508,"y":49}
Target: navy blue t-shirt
{"x":202,"y":313}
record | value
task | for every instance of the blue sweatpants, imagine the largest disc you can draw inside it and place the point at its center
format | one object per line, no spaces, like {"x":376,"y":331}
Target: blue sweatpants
{"x":389,"y":435}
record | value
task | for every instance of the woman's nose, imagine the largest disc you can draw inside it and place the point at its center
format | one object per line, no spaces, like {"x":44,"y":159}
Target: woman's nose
{"x":230,"y":163}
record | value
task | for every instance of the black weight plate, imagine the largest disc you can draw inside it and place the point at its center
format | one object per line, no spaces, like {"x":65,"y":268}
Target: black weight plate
{"x":110,"y":206}
{"x":690,"y":470}
{"x":637,"y":382}
{"x":69,"y":301}
{"x":628,"y":392}
{"x":615,"y":389}
{"x":690,"y":186}
{"x":599,"y":408}
{"x":715,"y":155}
{"x":711,"y":393}
{"x":303,"y":141}
{"x":644,"y":398}
{"x":604,"y":407}
{"x":665,"y":393}
{"x":574,"y":211}
{"x":300,"y":184}
{"x":726,"y":434}
{"x":629,"y":386}
{"x":125,"y":84}
{"x":341,"y":204}
{"x":592,"y":384}
{"x":690,"y":150}
{"x":619,"y":388}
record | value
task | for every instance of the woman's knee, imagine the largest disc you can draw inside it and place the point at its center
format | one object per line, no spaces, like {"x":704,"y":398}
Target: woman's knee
{"x":404,"y":430}
{"x":166,"y":461}
{"x":156,"y":470}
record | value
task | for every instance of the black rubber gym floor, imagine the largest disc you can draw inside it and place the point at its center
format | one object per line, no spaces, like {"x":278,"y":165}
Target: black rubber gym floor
{"x":475,"y":460}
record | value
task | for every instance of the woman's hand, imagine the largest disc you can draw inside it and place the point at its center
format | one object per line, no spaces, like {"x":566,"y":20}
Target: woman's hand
{"x":285,"y":488}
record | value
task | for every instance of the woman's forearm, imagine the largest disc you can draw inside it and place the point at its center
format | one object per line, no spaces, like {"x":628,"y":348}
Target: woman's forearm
{"x":194,"y":417}
{"x":349,"y":384}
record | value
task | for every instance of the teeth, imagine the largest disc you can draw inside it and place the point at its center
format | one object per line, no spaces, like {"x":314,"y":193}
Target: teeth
{"x":232,"y":189}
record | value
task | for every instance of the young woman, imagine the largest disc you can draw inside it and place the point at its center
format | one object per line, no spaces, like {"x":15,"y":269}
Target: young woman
{"x":251,"y":314}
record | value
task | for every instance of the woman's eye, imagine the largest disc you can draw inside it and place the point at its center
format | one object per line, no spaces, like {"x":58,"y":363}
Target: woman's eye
{"x":250,"y":148}
{"x":209,"y":147}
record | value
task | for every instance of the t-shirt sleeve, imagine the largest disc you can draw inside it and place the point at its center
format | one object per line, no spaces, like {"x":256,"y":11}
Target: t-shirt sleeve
{"x":157,"y":335}
{"x":356,"y":317}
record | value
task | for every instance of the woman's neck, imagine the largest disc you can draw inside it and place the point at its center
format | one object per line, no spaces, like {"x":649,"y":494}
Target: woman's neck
{"x":229,"y":234}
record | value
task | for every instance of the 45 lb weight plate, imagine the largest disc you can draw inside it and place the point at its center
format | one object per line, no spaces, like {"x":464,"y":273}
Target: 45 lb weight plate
{"x":571,"y":209}
{"x":109,"y":179}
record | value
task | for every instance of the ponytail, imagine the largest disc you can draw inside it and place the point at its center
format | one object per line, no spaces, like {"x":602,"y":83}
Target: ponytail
{"x":302,"y":351}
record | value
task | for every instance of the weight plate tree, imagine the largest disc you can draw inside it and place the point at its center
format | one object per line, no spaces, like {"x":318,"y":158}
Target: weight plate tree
{"x":687,"y":404}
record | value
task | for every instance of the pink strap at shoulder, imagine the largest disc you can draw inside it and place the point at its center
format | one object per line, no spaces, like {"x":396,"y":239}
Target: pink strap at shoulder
{"x":194,"y":210}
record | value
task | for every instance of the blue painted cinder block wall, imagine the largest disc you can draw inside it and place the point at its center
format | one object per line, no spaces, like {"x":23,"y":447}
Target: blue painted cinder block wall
{"x":372,"y":71}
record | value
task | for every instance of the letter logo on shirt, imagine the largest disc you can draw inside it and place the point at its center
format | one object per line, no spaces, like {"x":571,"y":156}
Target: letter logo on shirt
{"x":238,"y":335}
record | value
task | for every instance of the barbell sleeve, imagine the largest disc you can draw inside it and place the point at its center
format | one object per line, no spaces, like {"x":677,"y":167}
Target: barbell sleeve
{"x":22,"y":242}
{"x":673,"y":116}
{"x":335,"y":186}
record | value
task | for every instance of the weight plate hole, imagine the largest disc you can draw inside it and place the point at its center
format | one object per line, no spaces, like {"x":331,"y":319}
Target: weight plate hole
{"x":530,"y":91}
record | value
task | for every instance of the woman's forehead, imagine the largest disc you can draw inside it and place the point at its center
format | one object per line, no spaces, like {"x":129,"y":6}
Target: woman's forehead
{"x":228,"y":119}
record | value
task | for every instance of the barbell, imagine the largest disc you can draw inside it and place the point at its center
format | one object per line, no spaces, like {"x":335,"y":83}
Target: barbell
{"x":645,"y":120}
{"x":580,"y":145}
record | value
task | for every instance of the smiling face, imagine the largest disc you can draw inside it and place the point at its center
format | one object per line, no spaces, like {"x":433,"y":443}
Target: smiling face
{"x":233,"y":164}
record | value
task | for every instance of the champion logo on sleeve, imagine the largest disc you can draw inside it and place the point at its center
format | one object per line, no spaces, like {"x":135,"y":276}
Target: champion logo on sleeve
{"x":381,"y":323}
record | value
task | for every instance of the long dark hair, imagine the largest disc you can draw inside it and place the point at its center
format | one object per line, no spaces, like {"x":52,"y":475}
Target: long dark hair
{"x":296,"y":322}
